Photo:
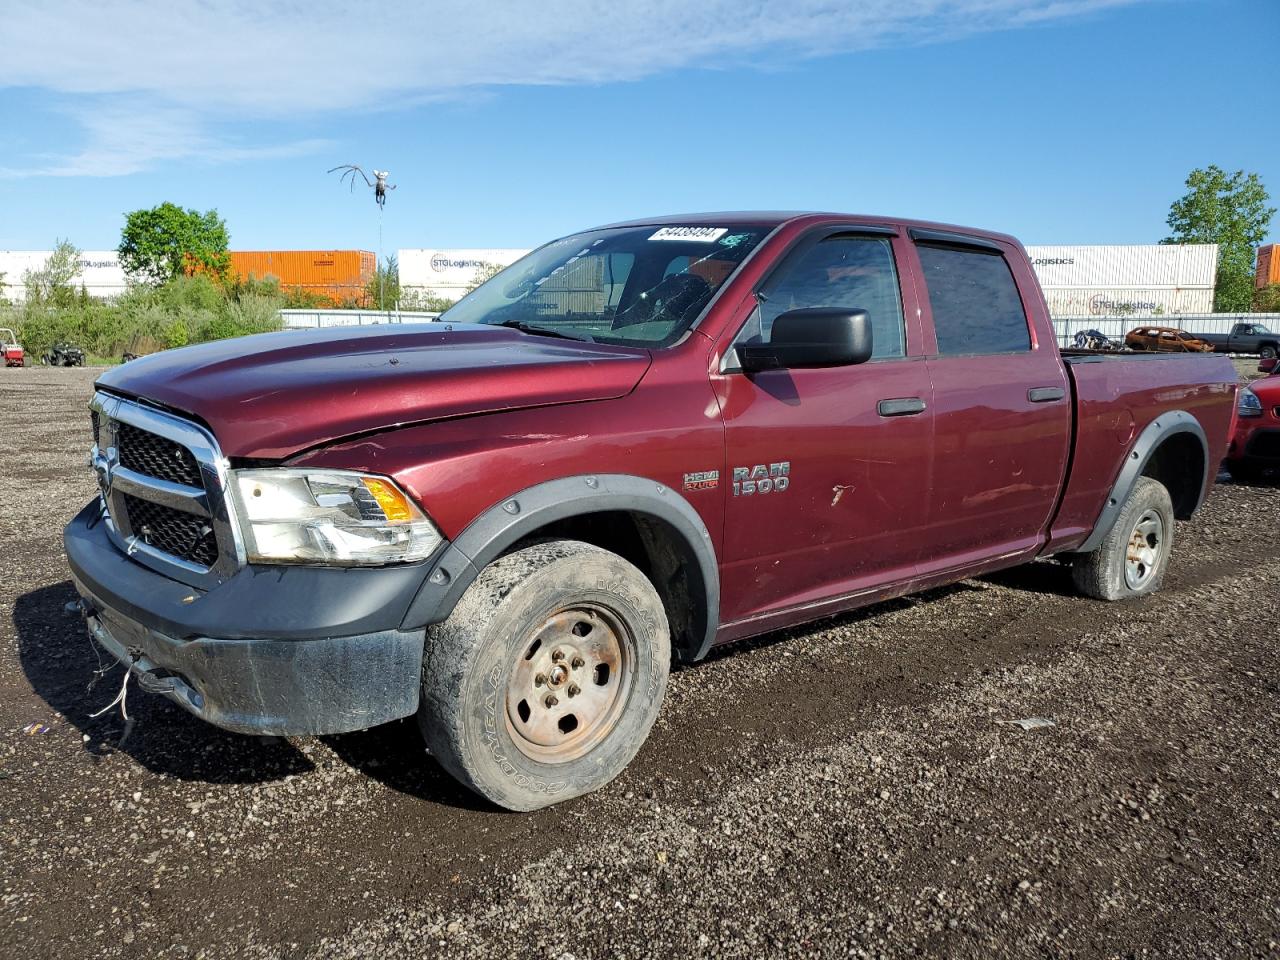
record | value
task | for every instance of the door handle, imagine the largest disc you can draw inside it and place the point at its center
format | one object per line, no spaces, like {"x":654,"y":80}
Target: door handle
{"x":900,"y":407}
{"x":1045,"y":394}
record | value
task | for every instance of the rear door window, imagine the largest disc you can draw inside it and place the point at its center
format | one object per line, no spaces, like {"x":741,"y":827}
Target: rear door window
{"x":975,"y":301}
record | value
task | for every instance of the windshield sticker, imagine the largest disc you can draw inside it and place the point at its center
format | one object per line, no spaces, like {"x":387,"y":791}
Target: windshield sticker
{"x":734,"y":239}
{"x":696,"y":234}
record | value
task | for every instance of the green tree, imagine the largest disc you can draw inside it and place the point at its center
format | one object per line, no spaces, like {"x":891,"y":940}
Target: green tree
{"x":1229,"y":210}
{"x":167,"y":241}
{"x":53,"y":284}
{"x":485,"y":274}
{"x":383,"y":290}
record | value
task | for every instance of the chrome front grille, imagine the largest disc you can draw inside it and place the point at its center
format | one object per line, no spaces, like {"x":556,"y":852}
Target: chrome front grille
{"x":182,"y":534}
{"x":164,"y":491}
{"x":151,"y":454}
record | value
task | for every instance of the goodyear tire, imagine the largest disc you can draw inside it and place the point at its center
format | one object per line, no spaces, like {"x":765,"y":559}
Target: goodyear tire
{"x":548,"y":675}
{"x":1132,"y":559}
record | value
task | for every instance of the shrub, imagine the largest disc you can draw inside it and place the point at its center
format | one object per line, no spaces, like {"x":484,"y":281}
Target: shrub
{"x":1267,"y":300}
{"x":145,"y":319}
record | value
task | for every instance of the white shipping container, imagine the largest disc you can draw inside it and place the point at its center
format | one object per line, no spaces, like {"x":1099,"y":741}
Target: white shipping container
{"x":1127,"y":301}
{"x":450,"y":272}
{"x":1146,"y":280}
{"x":100,"y":272}
{"x":1136,"y":265}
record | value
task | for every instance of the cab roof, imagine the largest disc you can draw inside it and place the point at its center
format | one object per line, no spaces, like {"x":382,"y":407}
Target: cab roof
{"x":777,"y":218}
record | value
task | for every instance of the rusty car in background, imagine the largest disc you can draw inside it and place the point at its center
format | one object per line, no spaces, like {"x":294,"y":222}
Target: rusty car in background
{"x":1165,"y":340}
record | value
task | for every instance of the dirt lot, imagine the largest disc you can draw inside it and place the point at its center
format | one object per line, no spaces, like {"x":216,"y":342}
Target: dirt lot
{"x":843,"y":789}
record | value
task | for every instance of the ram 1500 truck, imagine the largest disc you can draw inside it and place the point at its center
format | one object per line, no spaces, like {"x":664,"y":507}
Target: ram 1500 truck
{"x":636,"y":443}
{"x":1253,"y":338}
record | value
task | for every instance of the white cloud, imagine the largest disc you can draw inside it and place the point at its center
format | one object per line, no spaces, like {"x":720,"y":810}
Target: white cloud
{"x":163,"y":73}
{"x":134,"y":134}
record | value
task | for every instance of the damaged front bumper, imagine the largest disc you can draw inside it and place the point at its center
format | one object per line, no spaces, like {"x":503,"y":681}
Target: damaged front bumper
{"x":283,"y":651}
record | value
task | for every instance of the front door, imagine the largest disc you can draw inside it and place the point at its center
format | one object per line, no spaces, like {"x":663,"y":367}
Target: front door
{"x":828,"y":468}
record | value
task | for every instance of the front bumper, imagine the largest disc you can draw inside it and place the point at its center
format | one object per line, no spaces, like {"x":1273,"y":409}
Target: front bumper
{"x":1256,"y":442}
{"x":283,"y":651}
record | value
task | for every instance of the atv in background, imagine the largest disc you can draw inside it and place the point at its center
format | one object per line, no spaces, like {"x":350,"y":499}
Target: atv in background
{"x":63,"y":354}
{"x":11,"y":348}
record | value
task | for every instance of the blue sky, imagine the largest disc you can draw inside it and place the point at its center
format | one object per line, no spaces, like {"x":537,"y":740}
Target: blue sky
{"x":504,"y":124}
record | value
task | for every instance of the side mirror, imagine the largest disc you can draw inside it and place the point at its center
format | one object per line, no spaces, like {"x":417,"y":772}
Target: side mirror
{"x":1268,"y":365}
{"x":811,"y":337}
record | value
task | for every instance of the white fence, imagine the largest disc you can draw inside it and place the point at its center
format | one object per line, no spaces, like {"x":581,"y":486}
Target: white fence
{"x":1116,"y":327}
{"x":311,"y":319}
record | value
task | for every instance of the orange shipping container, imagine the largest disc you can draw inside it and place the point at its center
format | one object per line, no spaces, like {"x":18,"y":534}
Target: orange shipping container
{"x":339,"y":275}
{"x":1268,"y":266}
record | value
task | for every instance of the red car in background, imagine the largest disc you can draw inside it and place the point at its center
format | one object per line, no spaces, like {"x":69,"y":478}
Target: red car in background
{"x":1255,"y":440}
{"x":11,"y":348}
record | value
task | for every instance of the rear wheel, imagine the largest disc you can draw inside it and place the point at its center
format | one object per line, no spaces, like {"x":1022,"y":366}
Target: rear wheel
{"x":1132,"y":558}
{"x":548,"y":675}
{"x":1268,"y":352}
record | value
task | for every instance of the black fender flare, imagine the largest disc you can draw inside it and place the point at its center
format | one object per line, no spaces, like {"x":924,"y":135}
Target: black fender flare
{"x":1157,"y":432}
{"x":493,"y":532}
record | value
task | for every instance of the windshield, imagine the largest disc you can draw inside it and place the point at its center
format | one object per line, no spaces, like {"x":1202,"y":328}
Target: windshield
{"x":629,"y":285}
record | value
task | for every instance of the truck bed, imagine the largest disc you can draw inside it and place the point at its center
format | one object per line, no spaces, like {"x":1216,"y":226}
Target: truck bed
{"x":1115,"y":396}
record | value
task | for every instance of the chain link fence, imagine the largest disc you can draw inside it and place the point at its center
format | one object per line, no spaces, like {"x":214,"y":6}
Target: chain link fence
{"x":1066,"y":328}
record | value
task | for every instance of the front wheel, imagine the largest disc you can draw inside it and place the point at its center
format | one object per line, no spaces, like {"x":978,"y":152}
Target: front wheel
{"x":1132,"y":558}
{"x":547,"y":676}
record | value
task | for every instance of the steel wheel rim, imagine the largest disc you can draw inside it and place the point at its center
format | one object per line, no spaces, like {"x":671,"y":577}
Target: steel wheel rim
{"x":1142,"y":555}
{"x":565,"y":690}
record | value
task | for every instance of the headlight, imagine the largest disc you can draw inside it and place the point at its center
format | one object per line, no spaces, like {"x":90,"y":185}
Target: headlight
{"x":329,"y":516}
{"x":1248,"y":404}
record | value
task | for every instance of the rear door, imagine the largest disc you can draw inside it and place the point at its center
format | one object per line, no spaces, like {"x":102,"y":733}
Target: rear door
{"x":828,"y":468}
{"x":1001,"y":403}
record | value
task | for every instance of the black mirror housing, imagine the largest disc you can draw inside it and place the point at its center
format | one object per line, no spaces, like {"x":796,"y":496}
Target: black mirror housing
{"x":811,"y":337}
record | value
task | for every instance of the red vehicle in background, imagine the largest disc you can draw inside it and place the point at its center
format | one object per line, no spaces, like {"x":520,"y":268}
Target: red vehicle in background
{"x":1255,"y":441}
{"x":11,"y":348}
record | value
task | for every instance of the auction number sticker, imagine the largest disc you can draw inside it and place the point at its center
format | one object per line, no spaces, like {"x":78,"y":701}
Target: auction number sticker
{"x":695,"y":234}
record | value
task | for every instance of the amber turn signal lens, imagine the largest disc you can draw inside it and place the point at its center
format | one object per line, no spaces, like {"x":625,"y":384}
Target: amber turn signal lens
{"x":394,"y":504}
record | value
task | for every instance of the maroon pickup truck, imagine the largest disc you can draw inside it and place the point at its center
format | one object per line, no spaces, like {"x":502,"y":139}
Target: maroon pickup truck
{"x":634,"y":444}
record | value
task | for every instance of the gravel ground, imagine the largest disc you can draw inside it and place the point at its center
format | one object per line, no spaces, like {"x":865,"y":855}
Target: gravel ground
{"x":844,"y":789}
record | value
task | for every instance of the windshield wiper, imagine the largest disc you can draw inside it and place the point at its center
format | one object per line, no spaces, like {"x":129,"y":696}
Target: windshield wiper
{"x":524,"y":326}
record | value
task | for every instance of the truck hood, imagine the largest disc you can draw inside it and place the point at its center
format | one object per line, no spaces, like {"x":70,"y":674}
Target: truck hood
{"x":272,"y":395}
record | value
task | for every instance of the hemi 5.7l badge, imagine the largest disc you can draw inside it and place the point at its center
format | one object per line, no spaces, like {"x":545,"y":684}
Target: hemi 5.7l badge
{"x":702,"y":480}
{"x":774,"y":478}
